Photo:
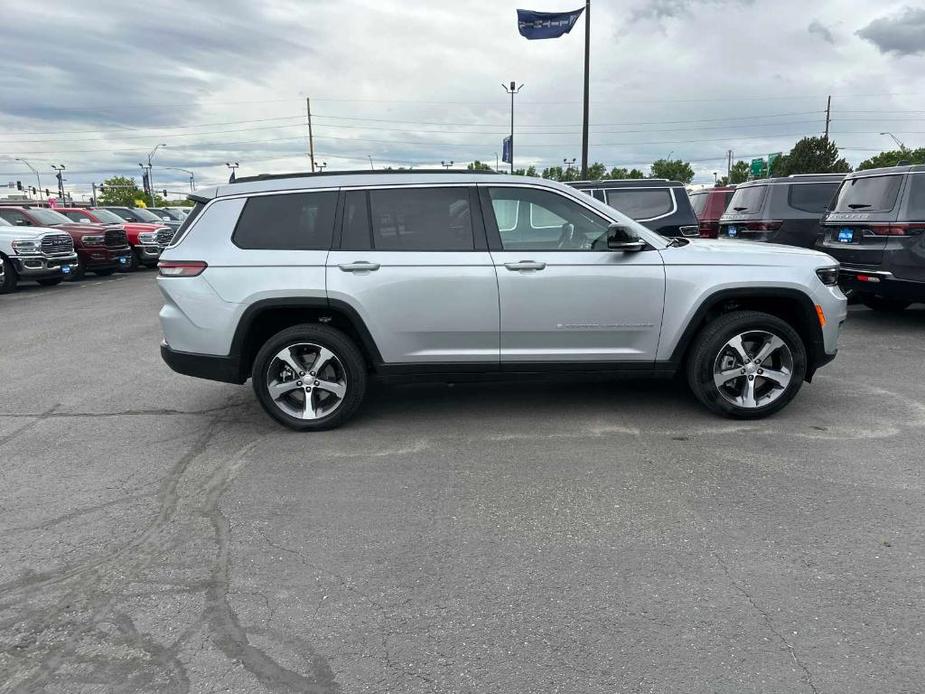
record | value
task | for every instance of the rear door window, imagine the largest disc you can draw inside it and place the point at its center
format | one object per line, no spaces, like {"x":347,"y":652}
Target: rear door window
{"x":641,"y":203}
{"x":811,"y":197}
{"x":421,"y":219}
{"x":746,"y":200}
{"x":868,"y":194}
{"x":292,"y":222}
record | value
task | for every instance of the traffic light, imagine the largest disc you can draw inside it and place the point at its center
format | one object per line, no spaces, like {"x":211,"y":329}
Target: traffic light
{"x":164,"y":192}
{"x":18,"y":185}
{"x":47,"y":193}
{"x":34,"y":191}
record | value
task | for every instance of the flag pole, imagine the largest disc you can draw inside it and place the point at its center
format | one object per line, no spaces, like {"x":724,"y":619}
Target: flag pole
{"x":584,"y":129}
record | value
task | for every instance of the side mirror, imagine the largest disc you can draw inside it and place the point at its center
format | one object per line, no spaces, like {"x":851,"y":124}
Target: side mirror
{"x":619,"y":238}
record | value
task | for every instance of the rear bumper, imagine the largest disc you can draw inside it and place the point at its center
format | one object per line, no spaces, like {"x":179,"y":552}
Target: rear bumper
{"x":880,"y":282}
{"x":208,"y":366}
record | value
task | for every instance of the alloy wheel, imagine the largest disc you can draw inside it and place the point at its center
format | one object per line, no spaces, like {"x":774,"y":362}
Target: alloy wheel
{"x":753,"y":369}
{"x":307,"y":381}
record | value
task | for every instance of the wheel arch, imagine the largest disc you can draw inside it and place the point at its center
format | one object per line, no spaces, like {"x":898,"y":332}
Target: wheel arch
{"x":791,"y":305}
{"x":263,"y":319}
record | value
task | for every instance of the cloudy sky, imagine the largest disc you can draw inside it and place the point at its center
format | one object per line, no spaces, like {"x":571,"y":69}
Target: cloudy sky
{"x":96,"y":84}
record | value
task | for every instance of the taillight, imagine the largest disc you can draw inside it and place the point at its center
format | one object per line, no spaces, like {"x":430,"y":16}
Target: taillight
{"x":766,"y":225}
{"x":181,"y":268}
{"x":709,"y":230}
{"x":889,"y":229}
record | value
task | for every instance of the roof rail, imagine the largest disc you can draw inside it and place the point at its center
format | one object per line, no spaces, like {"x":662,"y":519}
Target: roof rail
{"x":357,"y":172}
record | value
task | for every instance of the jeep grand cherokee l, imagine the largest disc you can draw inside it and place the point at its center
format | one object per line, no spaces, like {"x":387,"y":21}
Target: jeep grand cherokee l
{"x":659,"y":204}
{"x":877,"y":230}
{"x":779,"y":210}
{"x":308,"y":284}
{"x":100,"y":250}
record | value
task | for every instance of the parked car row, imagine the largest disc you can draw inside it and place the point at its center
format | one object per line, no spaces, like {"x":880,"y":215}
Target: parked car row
{"x":51,"y":245}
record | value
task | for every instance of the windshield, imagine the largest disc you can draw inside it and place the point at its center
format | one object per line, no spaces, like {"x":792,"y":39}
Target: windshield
{"x":146,"y":215}
{"x":107,"y":217}
{"x":748,"y":199}
{"x":48,"y":217}
{"x":164,"y":212}
{"x":868,"y":194}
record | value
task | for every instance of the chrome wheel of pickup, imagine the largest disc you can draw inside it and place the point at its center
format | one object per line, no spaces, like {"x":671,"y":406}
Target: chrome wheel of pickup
{"x":306,"y":381}
{"x":753,"y":369}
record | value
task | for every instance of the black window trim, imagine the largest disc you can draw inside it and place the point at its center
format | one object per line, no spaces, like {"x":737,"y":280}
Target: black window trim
{"x":480,"y":242}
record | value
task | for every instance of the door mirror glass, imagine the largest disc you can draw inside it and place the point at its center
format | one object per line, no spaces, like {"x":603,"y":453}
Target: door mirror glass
{"x":619,"y":238}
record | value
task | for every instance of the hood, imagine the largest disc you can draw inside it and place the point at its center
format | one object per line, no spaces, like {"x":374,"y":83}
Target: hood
{"x":78,"y":229}
{"x":16,"y":232}
{"x":734,"y":252}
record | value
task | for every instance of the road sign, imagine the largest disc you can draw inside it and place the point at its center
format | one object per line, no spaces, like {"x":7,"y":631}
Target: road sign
{"x":773,"y":157}
{"x":759,"y":168}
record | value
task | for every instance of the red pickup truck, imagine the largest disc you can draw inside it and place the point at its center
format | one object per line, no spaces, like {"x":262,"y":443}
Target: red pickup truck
{"x":147,"y":240}
{"x":100,"y":249}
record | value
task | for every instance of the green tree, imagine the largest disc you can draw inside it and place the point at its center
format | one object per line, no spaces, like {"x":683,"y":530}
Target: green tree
{"x":596,"y":171}
{"x":738,"y":173}
{"x":893,"y":157}
{"x":673,"y":170}
{"x":478,"y":166}
{"x":121,"y":191}
{"x":623,"y":172}
{"x":811,"y":155}
{"x":529,"y":171}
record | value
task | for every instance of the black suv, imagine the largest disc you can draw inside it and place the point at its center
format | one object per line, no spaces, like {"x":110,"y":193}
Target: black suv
{"x":876,"y":229}
{"x":779,"y":210}
{"x":659,"y":204}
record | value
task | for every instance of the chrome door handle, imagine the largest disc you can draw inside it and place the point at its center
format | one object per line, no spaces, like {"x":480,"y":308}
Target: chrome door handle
{"x":525,"y":265}
{"x":359,"y":266}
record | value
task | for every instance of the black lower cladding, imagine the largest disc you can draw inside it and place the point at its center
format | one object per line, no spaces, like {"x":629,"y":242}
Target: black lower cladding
{"x":208,"y":366}
{"x":903,"y":290}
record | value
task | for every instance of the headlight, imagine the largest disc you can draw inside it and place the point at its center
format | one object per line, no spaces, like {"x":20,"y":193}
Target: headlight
{"x":147,"y":237}
{"x":828,"y":275}
{"x":27,"y":247}
{"x":93,"y":240}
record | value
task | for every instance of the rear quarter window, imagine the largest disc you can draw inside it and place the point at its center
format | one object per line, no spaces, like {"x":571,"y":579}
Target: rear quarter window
{"x":286,"y":222}
{"x":641,"y":203}
{"x":916,"y":207}
{"x":811,"y":197}
{"x":868,"y":194}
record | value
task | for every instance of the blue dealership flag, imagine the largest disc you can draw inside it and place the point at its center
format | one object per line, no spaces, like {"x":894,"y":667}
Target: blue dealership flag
{"x":546,"y":25}
{"x":506,"y":150}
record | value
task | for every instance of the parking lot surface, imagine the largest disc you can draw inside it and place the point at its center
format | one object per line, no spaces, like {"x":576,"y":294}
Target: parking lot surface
{"x":160,"y":533}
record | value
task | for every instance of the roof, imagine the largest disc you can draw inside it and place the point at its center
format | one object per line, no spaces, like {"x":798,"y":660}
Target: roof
{"x":796,"y":178}
{"x":627,"y":183}
{"x":337,"y":179}
{"x":905,"y":168}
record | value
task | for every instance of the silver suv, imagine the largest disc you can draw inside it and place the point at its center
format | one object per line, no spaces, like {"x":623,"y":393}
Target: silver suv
{"x":308,"y":284}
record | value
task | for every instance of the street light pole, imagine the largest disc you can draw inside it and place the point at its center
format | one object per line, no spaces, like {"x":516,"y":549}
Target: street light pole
{"x":33,"y":169}
{"x":151,"y":172}
{"x":902,"y":147}
{"x":60,"y":176}
{"x":445,"y":165}
{"x":512,"y":90}
{"x":192,"y":176}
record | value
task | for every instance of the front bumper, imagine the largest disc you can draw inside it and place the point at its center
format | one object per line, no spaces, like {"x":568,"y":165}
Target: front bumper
{"x":101,"y":257}
{"x":40,"y":267}
{"x":149,"y":251}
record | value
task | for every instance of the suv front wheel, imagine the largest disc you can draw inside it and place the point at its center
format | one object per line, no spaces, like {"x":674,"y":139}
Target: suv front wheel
{"x":309,"y":377}
{"x":746,"y":364}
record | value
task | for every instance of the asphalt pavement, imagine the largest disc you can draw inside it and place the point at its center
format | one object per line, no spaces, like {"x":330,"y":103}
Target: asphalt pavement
{"x":161,"y":534}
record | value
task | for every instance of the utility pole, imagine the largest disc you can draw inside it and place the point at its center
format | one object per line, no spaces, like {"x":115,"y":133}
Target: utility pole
{"x":584,"y":125}
{"x":151,"y":173}
{"x":828,"y":115}
{"x":370,"y":157}
{"x":93,"y":199}
{"x":60,"y":176}
{"x":512,"y":90}
{"x":728,"y":165}
{"x":311,"y":139}
{"x":497,"y":164}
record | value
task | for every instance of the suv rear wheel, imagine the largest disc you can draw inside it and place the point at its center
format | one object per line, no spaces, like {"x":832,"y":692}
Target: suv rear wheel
{"x":309,"y":377}
{"x":746,"y":364}
{"x":881,"y":303}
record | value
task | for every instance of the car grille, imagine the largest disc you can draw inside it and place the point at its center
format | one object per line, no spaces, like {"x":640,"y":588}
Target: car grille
{"x":164,"y":236}
{"x":115,"y":238}
{"x":57,"y":244}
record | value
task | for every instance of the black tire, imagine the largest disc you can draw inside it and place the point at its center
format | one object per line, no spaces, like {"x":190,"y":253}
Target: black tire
{"x":353,"y":375}
{"x":10,"y":279}
{"x":709,"y":346}
{"x":881,"y":303}
{"x":51,"y":281}
{"x":104,"y":273}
